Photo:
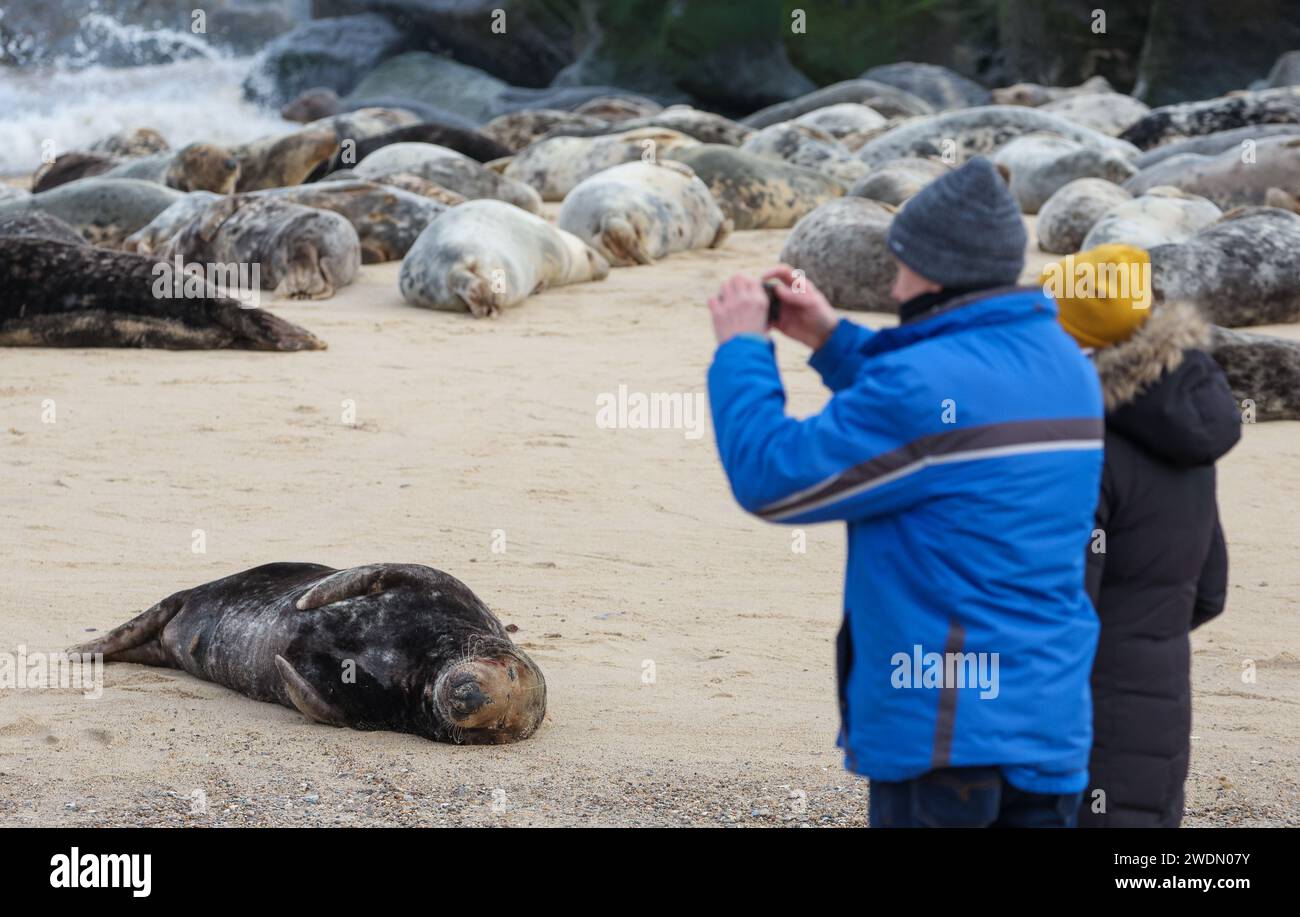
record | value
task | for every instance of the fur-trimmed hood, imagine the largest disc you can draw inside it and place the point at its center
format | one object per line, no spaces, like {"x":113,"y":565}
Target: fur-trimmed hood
{"x":1131,"y":367}
{"x":1165,"y":393}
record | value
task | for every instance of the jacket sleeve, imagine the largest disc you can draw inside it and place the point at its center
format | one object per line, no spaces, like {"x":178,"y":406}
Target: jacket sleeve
{"x":1212,"y":587}
{"x":1096,"y":560}
{"x":840,"y":358}
{"x":818,"y":469}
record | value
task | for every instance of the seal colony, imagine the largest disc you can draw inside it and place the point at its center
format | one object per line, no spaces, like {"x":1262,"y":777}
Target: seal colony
{"x":397,"y":647}
{"x":407,"y":169}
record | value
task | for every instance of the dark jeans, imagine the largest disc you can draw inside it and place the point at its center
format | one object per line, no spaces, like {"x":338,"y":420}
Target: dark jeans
{"x":968,"y":797}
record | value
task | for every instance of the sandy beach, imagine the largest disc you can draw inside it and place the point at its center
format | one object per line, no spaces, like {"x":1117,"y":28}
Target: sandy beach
{"x":688,"y":649}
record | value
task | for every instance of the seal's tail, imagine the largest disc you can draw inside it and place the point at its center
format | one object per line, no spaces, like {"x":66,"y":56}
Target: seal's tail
{"x":137,"y":639}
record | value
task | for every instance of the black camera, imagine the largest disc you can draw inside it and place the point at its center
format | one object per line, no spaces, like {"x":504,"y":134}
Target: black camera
{"x":773,"y":303}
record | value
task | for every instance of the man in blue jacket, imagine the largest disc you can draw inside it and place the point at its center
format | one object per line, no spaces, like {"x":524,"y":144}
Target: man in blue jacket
{"x":963,"y":448}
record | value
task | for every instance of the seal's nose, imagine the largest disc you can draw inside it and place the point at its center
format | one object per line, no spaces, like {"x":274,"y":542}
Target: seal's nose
{"x":467,"y":698}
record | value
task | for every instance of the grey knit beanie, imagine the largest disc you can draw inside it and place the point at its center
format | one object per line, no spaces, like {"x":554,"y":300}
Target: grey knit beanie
{"x":962,"y":230}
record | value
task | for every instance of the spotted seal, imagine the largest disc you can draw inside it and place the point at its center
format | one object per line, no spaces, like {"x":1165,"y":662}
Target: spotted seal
{"x":516,"y":130}
{"x":807,"y":146}
{"x":956,"y":136}
{"x":841,"y":248}
{"x":640,"y":212}
{"x":556,"y":165}
{"x":407,"y":182}
{"x":452,"y":170}
{"x":396,"y":647}
{"x":388,"y":220}
{"x":1238,"y":138}
{"x":1209,"y":116}
{"x":139,"y":141}
{"x":196,"y":167}
{"x":1241,"y":270}
{"x":889,"y":101}
{"x":486,"y":255}
{"x":104,"y":210}
{"x":1032,"y":95}
{"x":304,"y":253}
{"x":474,"y":144}
{"x":70,"y":166}
{"x":898,"y":180}
{"x":943,"y":88}
{"x":1073,"y":209}
{"x":618,"y":108}
{"x":1111,"y":113}
{"x":1228,"y":179}
{"x":1263,"y":371}
{"x":844,"y":119}
{"x":1039,"y":164}
{"x":757,"y":192}
{"x":1161,"y":215}
{"x":704,"y":126}
{"x":277,"y":161}
{"x":152,"y":236}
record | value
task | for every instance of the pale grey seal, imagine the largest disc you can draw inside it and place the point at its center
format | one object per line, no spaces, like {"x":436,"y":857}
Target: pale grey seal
{"x":841,"y":248}
{"x":486,"y":255}
{"x":640,"y":212}
{"x":1067,"y":216}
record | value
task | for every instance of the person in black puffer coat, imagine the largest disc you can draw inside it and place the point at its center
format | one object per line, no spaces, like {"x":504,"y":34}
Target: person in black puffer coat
{"x":1162,"y":569}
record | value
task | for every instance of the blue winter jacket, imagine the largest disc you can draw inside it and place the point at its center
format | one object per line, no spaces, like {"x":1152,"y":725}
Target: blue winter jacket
{"x":964,"y":449}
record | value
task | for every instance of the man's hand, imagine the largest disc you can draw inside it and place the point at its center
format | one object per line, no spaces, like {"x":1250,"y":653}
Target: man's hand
{"x":740,"y":307}
{"x":806,"y":316}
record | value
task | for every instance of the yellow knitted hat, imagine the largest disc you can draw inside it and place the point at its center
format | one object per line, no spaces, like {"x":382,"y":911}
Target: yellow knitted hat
{"x":1102,"y":295}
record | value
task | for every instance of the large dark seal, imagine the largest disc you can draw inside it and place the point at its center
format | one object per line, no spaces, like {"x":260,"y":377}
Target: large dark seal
{"x":61,"y":292}
{"x":399,"y":647}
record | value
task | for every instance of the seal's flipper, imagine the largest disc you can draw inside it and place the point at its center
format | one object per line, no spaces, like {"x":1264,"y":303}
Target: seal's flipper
{"x":724,"y":231}
{"x":474,"y":291}
{"x":306,"y":698}
{"x":368,"y":580}
{"x":619,"y":237}
{"x":135,"y":634}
